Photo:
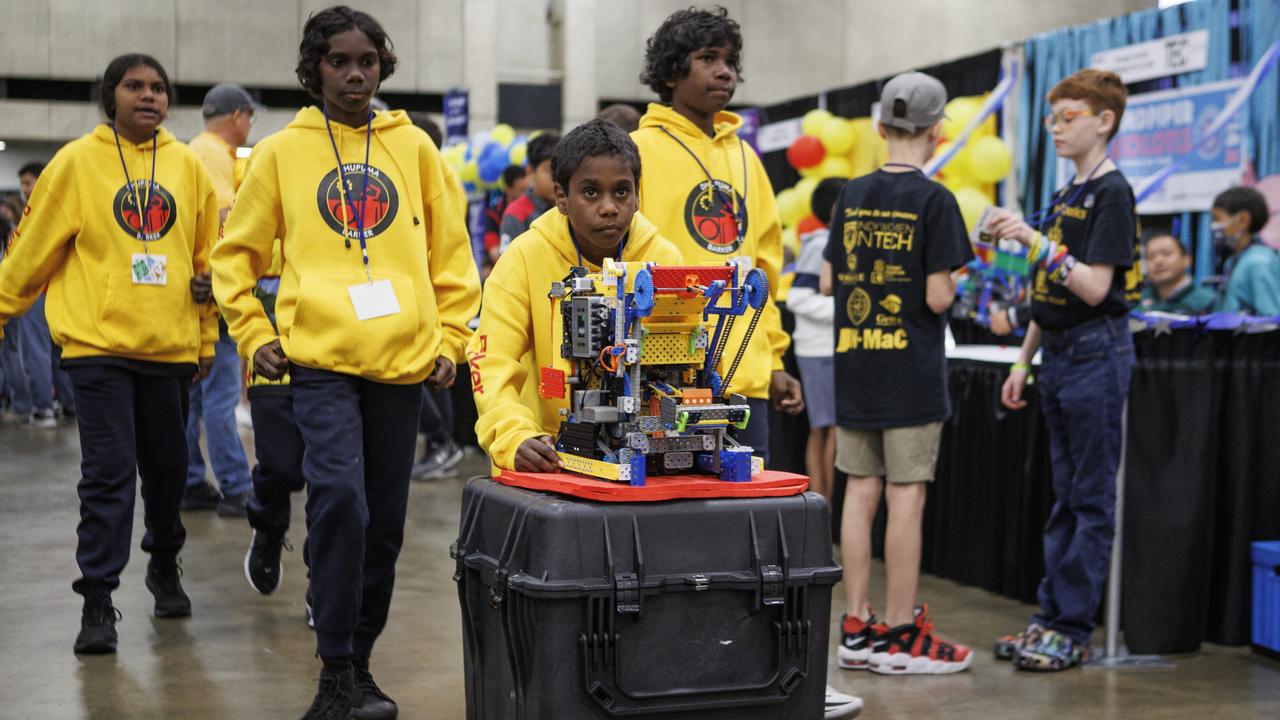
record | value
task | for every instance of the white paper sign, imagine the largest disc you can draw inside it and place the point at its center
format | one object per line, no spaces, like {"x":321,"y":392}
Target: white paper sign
{"x":1172,"y":55}
{"x":374,"y":300}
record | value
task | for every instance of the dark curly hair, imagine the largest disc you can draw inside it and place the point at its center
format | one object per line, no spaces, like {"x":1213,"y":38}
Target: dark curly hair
{"x":666,"y":54}
{"x":325,"y":24}
{"x":114,"y":73}
{"x":593,"y":138}
{"x":1239,"y":198}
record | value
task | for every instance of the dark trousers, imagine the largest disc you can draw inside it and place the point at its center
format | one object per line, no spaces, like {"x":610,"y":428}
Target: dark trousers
{"x":131,"y":426}
{"x":757,"y":433}
{"x":278,"y":447}
{"x":1084,"y":380}
{"x":436,"y":421}
{"x":359,"y":438}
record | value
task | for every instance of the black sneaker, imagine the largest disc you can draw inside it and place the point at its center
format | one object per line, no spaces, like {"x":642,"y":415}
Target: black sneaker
{"x":370,"y":703}
{"x":233,"y":506}
{"x":200,"y":497}
{"x":262,"y":566}
{"x":163,"y":581}
{"x":97,"y":625}
{"x":335,"y":697}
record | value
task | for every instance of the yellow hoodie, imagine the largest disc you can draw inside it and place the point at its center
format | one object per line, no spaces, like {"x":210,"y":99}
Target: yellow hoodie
{"x":415,"y":236}
{"x":674,"y":194}
{"x":78,"y":238}
{"x":519,"y":333}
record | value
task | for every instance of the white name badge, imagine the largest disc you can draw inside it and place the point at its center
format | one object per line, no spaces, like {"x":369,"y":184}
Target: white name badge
{"x":149,"y":269}
{"x":374,"y":300}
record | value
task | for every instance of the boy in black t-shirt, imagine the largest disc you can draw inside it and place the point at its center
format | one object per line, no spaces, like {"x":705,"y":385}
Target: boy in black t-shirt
{"x":1086,"y":279}
{"x":896,"y":236}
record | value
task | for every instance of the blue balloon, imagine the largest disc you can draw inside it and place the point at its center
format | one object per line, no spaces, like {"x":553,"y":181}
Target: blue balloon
{"x":492,"y":161}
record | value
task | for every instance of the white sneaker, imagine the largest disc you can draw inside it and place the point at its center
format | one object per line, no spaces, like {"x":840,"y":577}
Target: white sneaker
{"x":43,"y":420}
{"x":839,"y":705}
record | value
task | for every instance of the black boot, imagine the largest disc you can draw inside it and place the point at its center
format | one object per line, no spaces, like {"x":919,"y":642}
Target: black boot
{"x":371,"y":703}
{"x":335,"y":695}
{"x":163,"y":580}
{"x":97,"y":624}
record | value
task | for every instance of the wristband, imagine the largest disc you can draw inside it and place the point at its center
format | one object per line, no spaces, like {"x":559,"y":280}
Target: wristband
{"x":1025,"y":367}
{"x":1059,"y":274}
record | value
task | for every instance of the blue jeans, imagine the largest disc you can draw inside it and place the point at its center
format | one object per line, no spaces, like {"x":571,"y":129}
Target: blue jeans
{"x":1084,"y":380}
{"x":215,"y":399}
{"x":16,"y":383}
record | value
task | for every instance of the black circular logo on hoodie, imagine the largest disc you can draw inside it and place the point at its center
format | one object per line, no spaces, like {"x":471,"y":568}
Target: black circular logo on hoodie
{"x":709,"y":216}
{"x":161,"y":210}
{"x":341,"y":207}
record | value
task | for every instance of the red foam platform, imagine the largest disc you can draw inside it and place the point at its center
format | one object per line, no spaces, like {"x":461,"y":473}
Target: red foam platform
{"x":769,"y":483}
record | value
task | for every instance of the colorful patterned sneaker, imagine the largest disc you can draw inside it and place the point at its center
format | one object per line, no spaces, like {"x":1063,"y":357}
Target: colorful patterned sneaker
{"x":913,"y":650}
{"x":856,"y":637}
{"x":1009,"y":645}
{"x":1050,"y":652}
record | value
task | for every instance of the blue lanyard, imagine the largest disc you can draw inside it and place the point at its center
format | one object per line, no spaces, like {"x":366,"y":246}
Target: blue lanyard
{"x":137,"y":199}
{"x":725,"y":198}
{"x":1035,"y":219}
{"x":364,"y":189}
{"x":622,"y":244}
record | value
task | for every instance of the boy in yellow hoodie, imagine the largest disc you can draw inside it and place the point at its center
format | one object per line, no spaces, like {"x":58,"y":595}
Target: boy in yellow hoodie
{"x":707,"y":191}
{"x":117,"y":226}
{"x":596,"y":169}
{"x":376,"y":288}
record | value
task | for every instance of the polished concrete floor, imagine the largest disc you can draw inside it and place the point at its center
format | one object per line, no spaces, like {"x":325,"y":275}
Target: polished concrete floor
{"x":243,"y":655}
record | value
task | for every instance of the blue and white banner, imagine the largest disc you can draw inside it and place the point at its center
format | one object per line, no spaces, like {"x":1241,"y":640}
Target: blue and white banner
{"x":456,"y":116}
{"x":1174,"y":129}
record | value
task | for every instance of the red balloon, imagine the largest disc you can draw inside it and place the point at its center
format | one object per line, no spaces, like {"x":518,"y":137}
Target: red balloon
{"x":805,"y":152}
{"x":808,"y":225}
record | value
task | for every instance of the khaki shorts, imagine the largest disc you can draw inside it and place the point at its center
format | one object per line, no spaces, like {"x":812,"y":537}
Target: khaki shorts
{"x":900,"y":455}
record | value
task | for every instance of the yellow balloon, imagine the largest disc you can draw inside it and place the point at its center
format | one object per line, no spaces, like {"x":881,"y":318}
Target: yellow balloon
{"x":972,"y":202}
{"x":989,"y":159}
{"x":814,"y":121}
{"x":804,"y":195}
{"x":959,"y":112}
{"x":502,"y":134}
{"x":835,"y":167}
{"x":838,"y":136}
{"x":469,"y":172}
{"x":791,"y":241}
{"x":811,"y":171}
{"x":519,"y":153}
{"x":788,"y":207}
{"x":958,"y":167}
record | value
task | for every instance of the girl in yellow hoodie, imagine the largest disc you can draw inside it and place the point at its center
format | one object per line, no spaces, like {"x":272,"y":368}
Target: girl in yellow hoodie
{"x":117,"y":226}
{"x":377,"y":286}
{"x":596,"y":169}
{"x":707,"y":191}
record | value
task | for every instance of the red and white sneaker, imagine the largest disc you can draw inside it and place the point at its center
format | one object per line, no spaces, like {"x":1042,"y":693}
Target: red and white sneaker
{"x":856,"y":637}
{"x":913,"y":650}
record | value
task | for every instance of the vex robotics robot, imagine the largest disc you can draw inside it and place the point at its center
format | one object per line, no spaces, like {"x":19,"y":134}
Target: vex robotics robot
{"x":643,"y":348}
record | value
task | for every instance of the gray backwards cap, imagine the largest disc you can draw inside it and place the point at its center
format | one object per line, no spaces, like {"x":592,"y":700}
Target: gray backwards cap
{"x":924,"y":102}
{"x":225,"y":99}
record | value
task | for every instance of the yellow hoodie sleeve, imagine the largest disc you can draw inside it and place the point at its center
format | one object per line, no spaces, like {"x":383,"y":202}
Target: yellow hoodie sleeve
{"x":455,"y":280}
{"x":39,"y":245}
{"x":243,"y":255}
{"x":769,"y":259}
{"x":208,"y":225}
{"x":498,"y":353}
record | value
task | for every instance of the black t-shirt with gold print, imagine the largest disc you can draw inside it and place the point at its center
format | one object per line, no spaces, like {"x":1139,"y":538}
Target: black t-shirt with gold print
{"x":1099,"y":225}
{"x":890,"y":231}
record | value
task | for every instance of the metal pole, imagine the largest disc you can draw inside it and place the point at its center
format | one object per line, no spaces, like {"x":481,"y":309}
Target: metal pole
{"x":1116,"y":656}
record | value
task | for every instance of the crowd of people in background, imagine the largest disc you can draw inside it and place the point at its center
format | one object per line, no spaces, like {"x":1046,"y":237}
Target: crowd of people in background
{"x":177,"y":299}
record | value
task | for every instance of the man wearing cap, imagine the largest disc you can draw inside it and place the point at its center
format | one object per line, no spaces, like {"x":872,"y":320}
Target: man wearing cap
{"x":896,"y":237}
{"x":228,"y":115}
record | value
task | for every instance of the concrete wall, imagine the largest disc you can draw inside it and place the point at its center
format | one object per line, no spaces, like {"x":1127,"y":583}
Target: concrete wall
{"x":595,"y":47}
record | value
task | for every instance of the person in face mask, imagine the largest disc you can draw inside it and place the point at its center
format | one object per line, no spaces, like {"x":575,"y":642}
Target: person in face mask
{"x":1253,"y":270}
